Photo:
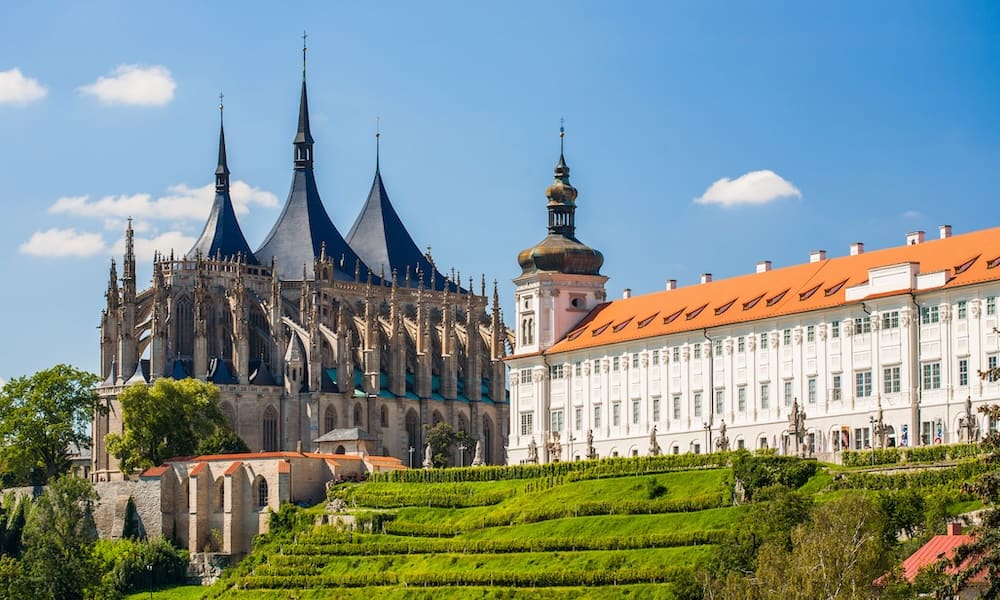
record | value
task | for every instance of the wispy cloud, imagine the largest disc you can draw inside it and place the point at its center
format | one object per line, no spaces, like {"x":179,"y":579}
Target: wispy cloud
{"x":165,"y":242}
{"x":56,"y":243}
{"x":755,"y":187}
{"x":135,"y":85}
{"x":19,"y":90}
{"x":180,"y":203}
{"x":912,"y":214}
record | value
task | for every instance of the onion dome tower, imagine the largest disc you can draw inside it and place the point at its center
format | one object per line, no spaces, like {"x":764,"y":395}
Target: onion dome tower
{"x":304,"y":226}
{"x":560,"y":277}
{"x":222,"y":236}
{"x":383,"y":243}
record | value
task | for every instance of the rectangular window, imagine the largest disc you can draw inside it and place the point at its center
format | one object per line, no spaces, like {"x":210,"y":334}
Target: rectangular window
{"x":597,"y":416}
{"x":863,"y":384}
{"x":991,"y":305}
{"x":863,"y":324}
{"x":763,"y":341}
{"x":741,"y":398}
{"x":677,"y":354}
{"x":655,"y":358}
{"x":556,"y":419}
{"x":786,"y":337}
{"x":656,"y":409}
{"x":932,"y":376}
{"x":596,"y":367}
{"x":635,"y":412}
{"x":557,"y":371}
{"x":890,"y":380}
{"x":929,"y":314}
{"x":741,"y":344}
{"x":963,"y":309}
{"x":963,"y":372}
{"x":991,"y":365}
{"x":527,"y":426}
{"x":578,"y":418}
{"x":616,"y":414}
{"x":616,"y":364}
{"x":836,"y":388}
{"x":720,"y":401}
{"x":635,"y":360}
{"x":811,"y":333}
{"x":525,"y":375}
{"x":890,"y":320}
{"x":811,"y":384}
{"x":788,"y":393}
{"x":577,"y":369}
{"x":718,"y":347}
{"x":697,"y":404}
{"x":765,"y":395}
{"x":835,"y":329}
{"x":697,"y":350}
{"x":677,"y":407}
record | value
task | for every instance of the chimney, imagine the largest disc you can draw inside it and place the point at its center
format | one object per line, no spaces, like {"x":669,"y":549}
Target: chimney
{"x":914,"y":237}
{"x":857,"y":248}
{"x":671,"y":284}
{"x":817,"y":255}
{"x":954,"y":528}
{"x":763,"y":266}
{"x":945,"y":231}
{"x":706,"y":277}
{"x":627,"y":293}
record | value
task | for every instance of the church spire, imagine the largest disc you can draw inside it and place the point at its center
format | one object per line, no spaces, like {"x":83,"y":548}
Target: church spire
{"x":303,"y":138}
{"x":222,"y":171}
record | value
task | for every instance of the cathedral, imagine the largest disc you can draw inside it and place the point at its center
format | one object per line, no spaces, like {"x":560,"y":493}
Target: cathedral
{"x":358,"y":339}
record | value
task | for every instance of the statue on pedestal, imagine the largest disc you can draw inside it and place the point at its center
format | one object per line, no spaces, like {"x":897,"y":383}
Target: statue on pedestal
{"x":654,"y":446}
{"x":722,"y":444}
{"x":532,"y":451}
{"x":555,"y":447}
{"x":797,"y":427}
{"x":591,"y":451}
{"x":477,"y":461}
{"x":428,"y":457}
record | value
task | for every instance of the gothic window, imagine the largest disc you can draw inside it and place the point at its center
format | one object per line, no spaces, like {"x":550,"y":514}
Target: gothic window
{"x":270,"y":430}
{"x":261,"y":492}
{"x":220,"y":494}
{"x":359,"y":416}
{"x":184,"y":314}
{"x":412,"y":429}
{"x":487,"y":440}
{"x":463,"y":425}
{"x":436,"y":418}
{"x":384,"y":416}
{"x":329,"y":419}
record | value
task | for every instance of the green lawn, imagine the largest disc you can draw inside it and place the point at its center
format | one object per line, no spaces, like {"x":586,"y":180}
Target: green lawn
{"x":181,"y":592}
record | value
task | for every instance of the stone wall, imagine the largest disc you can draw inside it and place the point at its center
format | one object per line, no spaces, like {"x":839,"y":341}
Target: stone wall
{"x":109,"y":515}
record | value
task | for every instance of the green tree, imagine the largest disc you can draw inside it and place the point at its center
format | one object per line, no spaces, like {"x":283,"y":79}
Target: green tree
{"x":776,"y":511}
{"x":167,"y":419}
{"x":442,"y":437}
{"x":58,"y":538}
{"x":40,"y":417}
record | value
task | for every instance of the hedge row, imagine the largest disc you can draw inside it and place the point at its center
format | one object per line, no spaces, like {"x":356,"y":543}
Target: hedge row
{"x":586,"y":469}
{"x":891,"y":456}
{"x":512,"y":578}
{"x":593,"y":508}
{"x":909,"y":479}
{"x":419,"y":529}
{"x":363,"y":546}
{"x":376,"y":498}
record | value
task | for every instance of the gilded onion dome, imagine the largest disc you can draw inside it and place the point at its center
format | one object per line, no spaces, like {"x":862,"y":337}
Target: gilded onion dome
{"x":560,"y":251}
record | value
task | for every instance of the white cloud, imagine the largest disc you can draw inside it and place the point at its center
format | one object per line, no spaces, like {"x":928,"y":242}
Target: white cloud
{"x":755,"y":187}
{"x":63,"y":242}
{"x":164,"y":242}
{"x":17,"y":89}
{"x":181,"y":203}
{"x":135,"y":85}
{"x":912,"y":214}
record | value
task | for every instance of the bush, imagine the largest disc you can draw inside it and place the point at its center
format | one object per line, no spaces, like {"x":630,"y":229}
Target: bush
{"x":919,"y":454}
{"x":129,"y":565}
{"x":759,"y":471}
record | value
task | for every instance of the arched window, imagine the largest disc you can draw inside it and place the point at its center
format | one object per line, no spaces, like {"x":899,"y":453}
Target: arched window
{"x":340,"y":450}
{"x":463,"y":424}
{"x":385,"y":416}
{"x":220,"y":494}
{"x":487,"y":440}
{"x":412,"y":429}
{"x":270,"y":430}
{"x":436,"y":418}
{"x":261,"y":492}
{"x":359,"y":416}
{"x":184,"y":328}
{"x":329,"y":419}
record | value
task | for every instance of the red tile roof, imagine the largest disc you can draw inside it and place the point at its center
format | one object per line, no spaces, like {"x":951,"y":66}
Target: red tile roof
{"x":198,"y":469}
{"x":938,"y":547}
{"x":233,"y":468}
{"x":284,"y":467}
{"x":155,"y":471}
{"x":967,"y":259}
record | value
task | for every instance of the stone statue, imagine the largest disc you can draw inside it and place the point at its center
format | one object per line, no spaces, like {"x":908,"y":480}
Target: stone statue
{"x":880,"y":429}
{"x":722,"y":444}
{"x":654,"y":446}
{"x":428,"y":457}
{"x":532,"y":451}
{"x":555,"y":447}
{"x":477,"y":461}
{"x":969,"y":425}
{"x":591,"y":451}
{"x":797,"y":427}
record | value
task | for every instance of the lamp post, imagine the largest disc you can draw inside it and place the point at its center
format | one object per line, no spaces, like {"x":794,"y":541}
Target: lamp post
{"x":411,"y":457}
{"x":461,"y":453}
{"x":708,"y":437}
{"x":570,"y":439}
{"x":149,"y":568}
{"x":871,"y":422}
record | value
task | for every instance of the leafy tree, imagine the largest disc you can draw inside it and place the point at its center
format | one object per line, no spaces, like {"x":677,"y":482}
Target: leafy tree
{"x":58,"y":538}
{"x":223,"y":441}
{"x":770,"y":519}
{"x":13,"y":519}
{"x":167,"y":419}
{"x":40,"y":417}
{"x":442,"y":437}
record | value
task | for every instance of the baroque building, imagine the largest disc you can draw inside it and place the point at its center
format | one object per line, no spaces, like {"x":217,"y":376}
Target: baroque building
{"x":873,"y":349}
{"x":313,"y":332}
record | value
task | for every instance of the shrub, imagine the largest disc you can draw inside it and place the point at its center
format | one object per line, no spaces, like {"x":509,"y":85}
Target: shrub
{"x":759,"y":471}
{"x":129,"y":565}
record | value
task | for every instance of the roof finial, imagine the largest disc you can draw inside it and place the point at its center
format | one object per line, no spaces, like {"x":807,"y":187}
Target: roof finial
{"x":222,"y":169}
{"x":378,"y":134}
{"x":562,"y":134}
{"x":304,"y":36}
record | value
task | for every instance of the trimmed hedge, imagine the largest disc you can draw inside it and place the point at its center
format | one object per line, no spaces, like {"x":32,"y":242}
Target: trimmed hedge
{"x":918,"y":454}
{"x":445,"y":496}
{"x":910,"y":479}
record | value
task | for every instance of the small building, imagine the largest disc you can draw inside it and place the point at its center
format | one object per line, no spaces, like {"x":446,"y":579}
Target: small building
{"x":942,"y":547}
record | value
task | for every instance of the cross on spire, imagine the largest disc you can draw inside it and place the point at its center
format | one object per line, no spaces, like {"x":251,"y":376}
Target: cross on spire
{"x":378,"y":134}
{"x":304,"y":36}
{"x":562,"y":133}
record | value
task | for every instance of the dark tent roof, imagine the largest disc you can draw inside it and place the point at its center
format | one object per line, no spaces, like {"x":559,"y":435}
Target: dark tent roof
{"x":381,"y":240}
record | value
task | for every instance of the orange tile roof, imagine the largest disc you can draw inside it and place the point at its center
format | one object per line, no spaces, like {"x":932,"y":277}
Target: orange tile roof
{"x":969,"y":258}
{"x":198,"y":469}
{"x":384,"y":460}
{"x":233,"y":468}
{"x":154,"y":471}
{"x":938,"y":547}
{"x":284,"y":466}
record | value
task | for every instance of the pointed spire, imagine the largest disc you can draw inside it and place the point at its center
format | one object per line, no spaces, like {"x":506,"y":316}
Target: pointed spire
{"x":222,"y":171}
{"x":303,"y":138}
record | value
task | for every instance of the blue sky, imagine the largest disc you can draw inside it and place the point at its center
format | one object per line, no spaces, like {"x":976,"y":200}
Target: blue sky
{"x":856,"y":121}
